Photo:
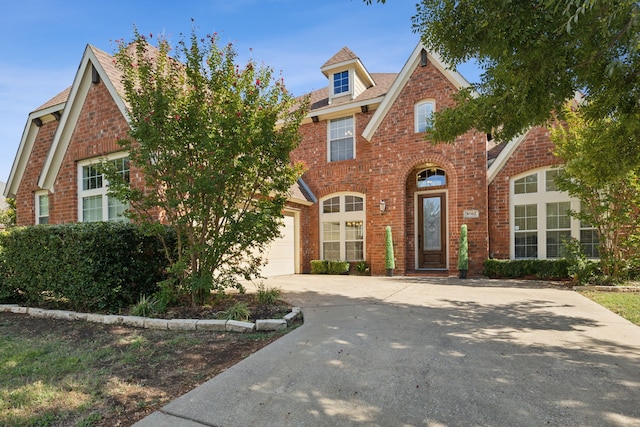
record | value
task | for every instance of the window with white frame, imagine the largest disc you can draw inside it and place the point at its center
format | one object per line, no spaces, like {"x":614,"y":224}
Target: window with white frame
{"x":341,"y":144}
{"x":342,"y":227}
{"x":423,"y":111}
{"x":341,"y":82}
{"x":42,"y":207}
{"x":94,"y":204}
{"x":541,"y":220}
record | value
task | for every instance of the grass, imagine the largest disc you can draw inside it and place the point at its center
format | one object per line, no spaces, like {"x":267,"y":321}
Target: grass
{"x":625,"y":304}
{"x":55,"y":372}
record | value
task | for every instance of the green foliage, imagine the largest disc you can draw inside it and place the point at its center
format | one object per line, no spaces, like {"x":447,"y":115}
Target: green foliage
{"x":212,"y":139}
{"x":268,"y":295}
{"x":239,"y":311}
{"x":329,"y":267}
{"x":535,"y":55}
{"x":85,"y":267}
{"x":8,"y":215}
{"x":145,"y":307}
{"x":541,"y":268}
{"x":389,"y":258}
{"x":463,"y":252}
{"x":362,"y":267}
{"x":580,"y":268}
{"x":605,"y":177}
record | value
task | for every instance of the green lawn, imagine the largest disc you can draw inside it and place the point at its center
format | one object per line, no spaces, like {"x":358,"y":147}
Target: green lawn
{"x":626,"y":304}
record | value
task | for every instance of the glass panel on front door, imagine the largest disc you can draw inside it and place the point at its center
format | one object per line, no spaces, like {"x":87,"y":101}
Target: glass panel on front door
{"x":432,"y":223}
{"x":431,"y":227}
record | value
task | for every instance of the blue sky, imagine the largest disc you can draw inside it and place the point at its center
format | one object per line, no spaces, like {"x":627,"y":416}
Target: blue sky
{"x":42,"y":42}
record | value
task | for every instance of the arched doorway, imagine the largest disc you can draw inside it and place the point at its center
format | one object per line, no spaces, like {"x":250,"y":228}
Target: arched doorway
{"x":431,"y":219}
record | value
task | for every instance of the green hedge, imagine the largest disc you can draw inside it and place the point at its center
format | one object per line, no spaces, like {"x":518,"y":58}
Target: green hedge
{"x":541,"y":268}
{"x":329,"y":267}
{"x":85,"y":267}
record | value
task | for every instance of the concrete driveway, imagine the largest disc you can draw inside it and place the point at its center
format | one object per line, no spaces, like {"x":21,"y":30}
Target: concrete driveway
{"x":402,"y":351}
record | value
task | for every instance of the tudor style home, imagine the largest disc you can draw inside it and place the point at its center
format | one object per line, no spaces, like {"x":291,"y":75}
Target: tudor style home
{"x":368,"y":167}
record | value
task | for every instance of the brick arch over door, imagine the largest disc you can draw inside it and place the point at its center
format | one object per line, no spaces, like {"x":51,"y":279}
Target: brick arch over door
{"x":409,"y":172}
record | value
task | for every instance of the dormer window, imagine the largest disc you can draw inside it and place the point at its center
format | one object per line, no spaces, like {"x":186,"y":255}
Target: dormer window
{"x":341,"y":82}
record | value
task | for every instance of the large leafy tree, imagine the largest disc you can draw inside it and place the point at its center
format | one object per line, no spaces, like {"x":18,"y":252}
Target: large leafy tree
{"x":610,"y":199}
{"x":212,"y":139}
{"x":535,"y":54}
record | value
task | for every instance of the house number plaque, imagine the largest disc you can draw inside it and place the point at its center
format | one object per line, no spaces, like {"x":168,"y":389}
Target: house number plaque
{"x":471,"y":213}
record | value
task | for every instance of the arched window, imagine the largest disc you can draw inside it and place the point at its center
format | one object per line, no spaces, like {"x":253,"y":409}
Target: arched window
{"x":422,"y":113}
{"x":342,"y":227}
{"x":432,"y":177}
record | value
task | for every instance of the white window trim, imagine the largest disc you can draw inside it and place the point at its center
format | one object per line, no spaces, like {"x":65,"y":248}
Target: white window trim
{"x":329,"y":138}
{"x":97,"y":191}
{"x":333,"y":87}
{"x":416,"y":122}
{"x":540,"y":199}
{"x":342,"y":217}
{"x":37,"y":195}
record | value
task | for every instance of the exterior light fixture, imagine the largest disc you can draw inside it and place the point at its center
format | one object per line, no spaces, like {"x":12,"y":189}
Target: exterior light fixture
{"x":383,"y":205}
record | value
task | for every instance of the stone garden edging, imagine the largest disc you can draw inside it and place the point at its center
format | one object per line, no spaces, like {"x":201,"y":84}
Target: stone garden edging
{"x":216,"y":325}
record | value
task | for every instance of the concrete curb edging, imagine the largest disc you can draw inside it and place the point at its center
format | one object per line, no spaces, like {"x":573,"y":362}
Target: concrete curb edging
{"x":608,"y":288}
{"x":214,"y":325}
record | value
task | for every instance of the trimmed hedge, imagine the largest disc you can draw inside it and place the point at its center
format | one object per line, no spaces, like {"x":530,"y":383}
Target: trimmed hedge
{"x":329,"y":267}
{"x":101,"y":266}
{"x":541,"y":268}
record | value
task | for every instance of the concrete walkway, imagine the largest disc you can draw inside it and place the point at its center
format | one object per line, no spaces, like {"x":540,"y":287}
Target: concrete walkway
{"x":378,"y":351}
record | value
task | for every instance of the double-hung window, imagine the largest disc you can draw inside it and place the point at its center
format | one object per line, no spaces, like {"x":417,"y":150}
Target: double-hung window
{"x":342,"y":227}
{"x":341,"y":145}
{"x":94,"y":204}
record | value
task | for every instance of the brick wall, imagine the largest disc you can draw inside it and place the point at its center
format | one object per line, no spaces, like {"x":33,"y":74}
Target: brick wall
{"x":25,"y":195}
{"x":535,"y":151}
{"x":386,"y":167}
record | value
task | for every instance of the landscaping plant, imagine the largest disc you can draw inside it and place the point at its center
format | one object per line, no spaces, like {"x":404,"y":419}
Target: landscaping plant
{"x":212,"y":139}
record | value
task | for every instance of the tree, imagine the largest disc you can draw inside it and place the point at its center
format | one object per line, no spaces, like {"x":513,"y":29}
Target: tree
{"x":535,"y":54}
{"x":212,"y":140}
{"x":8,"y":215}
{"x":610,"y":201}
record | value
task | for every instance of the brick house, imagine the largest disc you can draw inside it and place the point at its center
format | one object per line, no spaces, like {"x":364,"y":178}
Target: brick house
{"x":368,"y":167}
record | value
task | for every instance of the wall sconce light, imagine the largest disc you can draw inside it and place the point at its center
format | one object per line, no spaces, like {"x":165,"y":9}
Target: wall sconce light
{"x":383,"y":205}
{"x":315,"y":119}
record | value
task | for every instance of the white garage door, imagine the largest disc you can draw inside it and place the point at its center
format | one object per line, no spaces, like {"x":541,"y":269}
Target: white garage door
{"x":281,"y":252}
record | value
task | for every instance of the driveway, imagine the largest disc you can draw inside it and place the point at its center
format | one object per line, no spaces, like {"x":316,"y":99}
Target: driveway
{"x":377,"y":351}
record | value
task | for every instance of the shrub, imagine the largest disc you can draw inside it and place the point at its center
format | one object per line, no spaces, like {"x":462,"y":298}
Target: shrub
{"x":329,"y":267}
{"x":145,"y":306}
{"x":85,"y":267}
{"x":238,"y":311}
{"x":362,"y":267}
{"x":541,"y":268}
{"x":268,"y":295}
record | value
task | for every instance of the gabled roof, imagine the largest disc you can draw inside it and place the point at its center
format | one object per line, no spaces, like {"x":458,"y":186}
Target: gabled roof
{"x":319,"y":99}
{"x":43,"y":113}
{"x":345,"y":58}
{"x":93,"y":58}
{"x":414,"y":61}
{"x":344,"y":55}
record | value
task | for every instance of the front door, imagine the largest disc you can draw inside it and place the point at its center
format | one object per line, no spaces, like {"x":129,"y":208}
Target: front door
{"x":432,"y":228}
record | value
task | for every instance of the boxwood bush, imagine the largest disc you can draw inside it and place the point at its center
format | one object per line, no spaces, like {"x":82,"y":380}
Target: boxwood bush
{"x":541,"y":268}
{"x":99,"y":266}
{"x":329,"y":267}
